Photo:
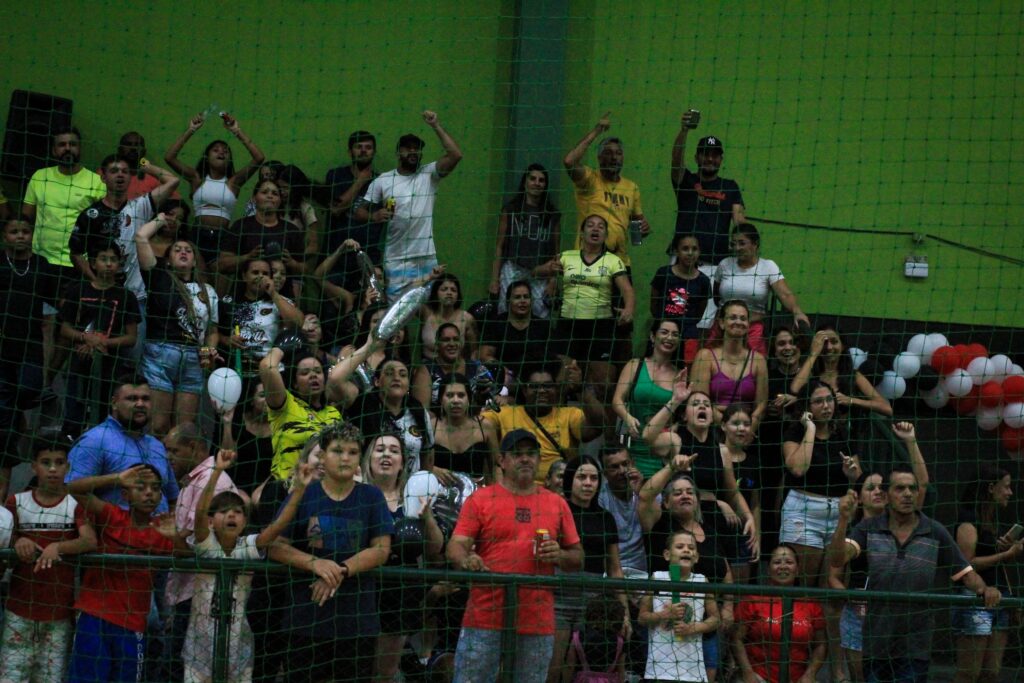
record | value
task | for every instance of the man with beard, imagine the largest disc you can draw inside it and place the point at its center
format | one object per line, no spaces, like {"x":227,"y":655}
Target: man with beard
{"x":516,"y":527}
{"x":132,"y":148}
{"x":404,"y":198}
{"x":56,"y":195}
{"x":707,"y":204}
{"x":558,"y":429}
{"x":343,"y":188}
{"x":606,"y":192}
{"x":118,"y":443}
{"x":115,"y":217}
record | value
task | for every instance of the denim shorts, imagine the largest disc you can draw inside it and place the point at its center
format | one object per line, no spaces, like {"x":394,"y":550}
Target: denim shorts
{"x":851,"y":627}
{"x":808,"y":520}
{"x":172,"y":368}
{"x":976,"y":621}
{"x":478,"y":656}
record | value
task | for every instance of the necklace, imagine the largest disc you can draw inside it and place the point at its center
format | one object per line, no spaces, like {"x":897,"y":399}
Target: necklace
{"x":23,"y":273}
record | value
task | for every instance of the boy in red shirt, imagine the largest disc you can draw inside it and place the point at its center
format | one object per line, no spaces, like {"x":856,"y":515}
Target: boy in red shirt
{"x":110,"y":639}
{"x":48,"y":523}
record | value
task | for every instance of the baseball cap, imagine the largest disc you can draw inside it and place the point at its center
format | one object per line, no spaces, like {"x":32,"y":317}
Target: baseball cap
{"x":515,"y":437}
{"x":409,"y":140}
{"x":710,"y":143}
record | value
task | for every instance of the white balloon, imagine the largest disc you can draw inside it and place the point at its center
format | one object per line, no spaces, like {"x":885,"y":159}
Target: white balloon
{"x":1013,"y":415}
{"x":1015,"y":370}
{"x":931,"y":342}
{"x":936,"y":398}
{"x":858,"y":356}
{"x":916,"y":345}
{"x":225,"y":387}
{"x":892,"y":386}
{"x":1001,"y":366}
{"x":906,"y":364}
{"x":958,"y":383}
{"x":988,"y":418}
{"x":981,"y":370}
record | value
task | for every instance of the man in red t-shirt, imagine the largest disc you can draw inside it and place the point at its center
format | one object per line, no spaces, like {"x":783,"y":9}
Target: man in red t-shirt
{"x":501,"y":529}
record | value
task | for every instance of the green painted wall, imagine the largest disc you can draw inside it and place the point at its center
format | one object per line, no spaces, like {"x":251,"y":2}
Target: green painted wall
{"x":867,"y":114}
{"x":871,"y":115}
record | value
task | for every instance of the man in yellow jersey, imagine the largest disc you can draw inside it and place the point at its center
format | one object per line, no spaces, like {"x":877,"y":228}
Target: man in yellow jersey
{"x":606,"y":192}
{"x":56,"y":195}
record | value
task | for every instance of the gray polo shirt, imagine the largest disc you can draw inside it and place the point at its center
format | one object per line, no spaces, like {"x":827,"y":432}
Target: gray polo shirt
{"x":902,"y":629}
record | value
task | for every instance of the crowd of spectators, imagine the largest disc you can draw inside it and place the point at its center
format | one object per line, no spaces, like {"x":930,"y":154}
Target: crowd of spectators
{"x":517,"y":436}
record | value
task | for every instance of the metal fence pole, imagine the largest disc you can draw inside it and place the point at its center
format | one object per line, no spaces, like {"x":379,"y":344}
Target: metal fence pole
{"x":787,"y":636}
{"x":223,"y":598}
{"x":508,"y":634}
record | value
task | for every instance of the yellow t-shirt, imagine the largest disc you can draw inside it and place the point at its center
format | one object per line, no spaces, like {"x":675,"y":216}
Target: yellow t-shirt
{"x":59,"y":199}
{"x":587,"y":289}
{"x":563,"y":423}
{"x":615,"y":202}
{"x":291,"y":425}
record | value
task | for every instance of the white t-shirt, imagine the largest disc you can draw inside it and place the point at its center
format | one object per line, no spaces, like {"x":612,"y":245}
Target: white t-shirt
{"x":669,"y":659}
{"x":6,"y":527}
{"x":134,"y":214}
{"x":753,"y":285}
{"x":410,"y":234}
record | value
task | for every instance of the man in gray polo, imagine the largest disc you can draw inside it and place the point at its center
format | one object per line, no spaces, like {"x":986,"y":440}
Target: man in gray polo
{"x":905,"y":550}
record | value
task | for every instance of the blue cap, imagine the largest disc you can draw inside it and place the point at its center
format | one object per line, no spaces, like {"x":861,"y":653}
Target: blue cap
{"x":515,"y":437}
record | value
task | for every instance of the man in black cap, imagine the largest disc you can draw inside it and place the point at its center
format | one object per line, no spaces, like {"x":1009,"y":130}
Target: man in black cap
{"x":513,"y":527}
{"x":707,"y":204}
{"x":404,"y":198}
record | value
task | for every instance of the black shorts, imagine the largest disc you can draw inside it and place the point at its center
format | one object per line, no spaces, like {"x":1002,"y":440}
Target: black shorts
{"x":342,"y":659}
{"x":400,"y":607}
{"x":587,"y":340}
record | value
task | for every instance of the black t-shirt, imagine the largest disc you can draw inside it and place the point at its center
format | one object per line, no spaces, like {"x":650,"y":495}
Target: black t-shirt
{"x":712,"y":563}
{"x":705,"y":209}
{"x":678,"y":299}
{"x":100,"y":224}
{"x":254,"y":457}
{"x":25,"y":286}
{"x":985,"y":546}
{"x":167,"y":317}
{"x":341,"y":228}
{"x":371,"y":416}
{"x":597,"y":529}
{"x":532,"y":234}
{"x":515,"y":348}
{"x":248,"y":233}
{"x":824,"y":476}
{"x":707,"y":470}
{"x":107,"y":311}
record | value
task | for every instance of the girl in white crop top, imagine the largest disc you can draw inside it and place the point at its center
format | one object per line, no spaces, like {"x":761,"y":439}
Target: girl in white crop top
{"x":215,"y":183}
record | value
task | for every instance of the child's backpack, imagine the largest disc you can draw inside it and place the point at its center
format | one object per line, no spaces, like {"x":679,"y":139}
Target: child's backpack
{"x":588,"y":676}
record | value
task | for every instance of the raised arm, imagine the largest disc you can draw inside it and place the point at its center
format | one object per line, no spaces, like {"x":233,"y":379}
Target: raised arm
{"x":273,"y":383}
{"x":679,"y":148}
{"x":908,"y":435}
{"x":147,"y":259}
{"x":452,"y":154}
{"x":171,"y":156}
{"x":222,"y":461}
{"x":168,"y":183}
{"x":339,"y":388}
{"x":573,"y":160}
{"x":797,"y":456}
{"x":648,"y":508}
{"x":663,"y":418}
{"x":257,"y":156}
{"x":304,"y":474}
{"x":840,"y":550}
{"x":803,"y":376}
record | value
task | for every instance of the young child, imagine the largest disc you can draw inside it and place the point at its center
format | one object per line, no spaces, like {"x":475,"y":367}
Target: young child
{"x":225,"y":512}
{"x":98,"y":319}
{"x":678,"y":620}
{"x":342,"y":529}
{"x":110,"y":638}
{"x":597,"y":650}
{"x":48,"y":524}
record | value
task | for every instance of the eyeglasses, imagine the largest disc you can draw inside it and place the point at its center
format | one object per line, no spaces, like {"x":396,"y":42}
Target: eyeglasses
{"x":671,"y":334}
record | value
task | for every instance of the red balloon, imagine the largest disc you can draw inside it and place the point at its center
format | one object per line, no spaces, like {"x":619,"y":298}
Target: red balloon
{"x":945,"y":360}
{"x":1013,"y":438}
{"x":990,"y":394}
{"x":965,"y":405}
{"x":975,"y":350}
{"x":1013,"y":389}
{"x":962,"y":353}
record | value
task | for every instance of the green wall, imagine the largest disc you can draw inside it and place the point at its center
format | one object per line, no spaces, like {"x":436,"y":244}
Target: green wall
{"x":871,"y":115}
{"x":867,"y":114}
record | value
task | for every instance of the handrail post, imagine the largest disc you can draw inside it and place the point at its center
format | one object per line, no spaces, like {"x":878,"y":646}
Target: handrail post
{"x":223,"y":597}
{"x":508,"y":634}
{"x":787,"y":636}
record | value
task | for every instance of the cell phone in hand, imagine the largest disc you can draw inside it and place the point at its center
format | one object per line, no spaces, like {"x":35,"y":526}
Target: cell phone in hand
{"x":1015,"y":531}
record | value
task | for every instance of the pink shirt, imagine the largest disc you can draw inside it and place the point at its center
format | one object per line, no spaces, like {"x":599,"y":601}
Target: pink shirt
{"x":181,"y":586}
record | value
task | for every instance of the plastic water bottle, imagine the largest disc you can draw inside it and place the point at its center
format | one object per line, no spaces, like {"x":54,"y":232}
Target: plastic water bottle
{"x":209,"y":110}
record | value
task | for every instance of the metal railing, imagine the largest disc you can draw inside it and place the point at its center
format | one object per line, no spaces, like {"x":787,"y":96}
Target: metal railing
{"x":226,"y":570}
